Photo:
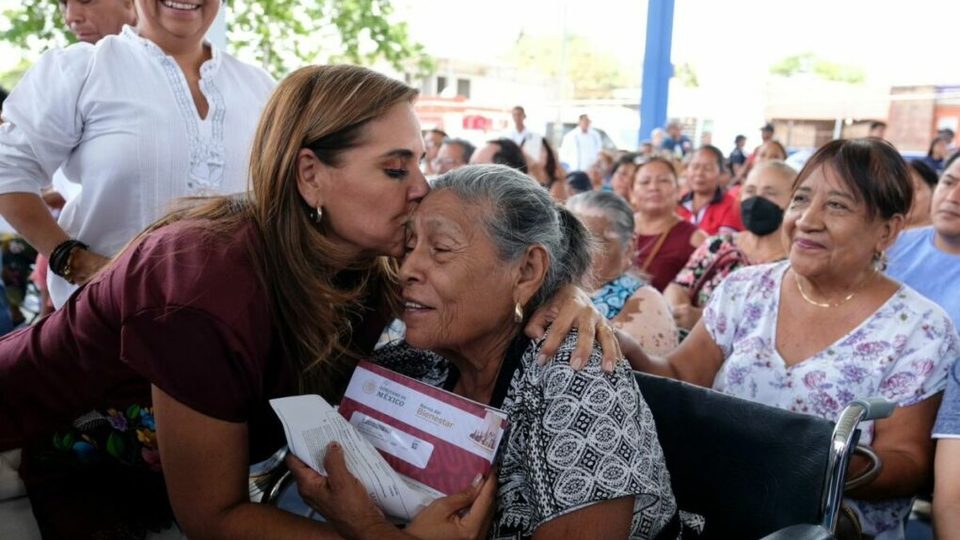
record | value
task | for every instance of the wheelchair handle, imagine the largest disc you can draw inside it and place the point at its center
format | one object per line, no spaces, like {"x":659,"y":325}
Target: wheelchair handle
{"x":841,"y":445}
{"x":876,"y":408}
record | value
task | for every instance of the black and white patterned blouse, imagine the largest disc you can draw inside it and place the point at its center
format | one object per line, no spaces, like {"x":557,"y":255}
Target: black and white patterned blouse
{"x":576,"y":438}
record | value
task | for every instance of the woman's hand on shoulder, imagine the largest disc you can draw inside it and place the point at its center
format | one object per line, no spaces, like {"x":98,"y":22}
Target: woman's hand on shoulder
{"x":339,"y":497}
{"x":571,"y":308}
{"x":445,"y":519}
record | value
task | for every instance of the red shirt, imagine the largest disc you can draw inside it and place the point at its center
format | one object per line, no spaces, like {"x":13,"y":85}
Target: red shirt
{"x":720,"y":215}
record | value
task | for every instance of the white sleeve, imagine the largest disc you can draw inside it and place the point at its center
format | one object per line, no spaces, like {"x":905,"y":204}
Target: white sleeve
{"x":41,"y":121}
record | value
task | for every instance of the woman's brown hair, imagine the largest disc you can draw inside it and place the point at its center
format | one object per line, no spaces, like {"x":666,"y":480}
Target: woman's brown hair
{"x":317,"y":290}
{"x":871,"y":169}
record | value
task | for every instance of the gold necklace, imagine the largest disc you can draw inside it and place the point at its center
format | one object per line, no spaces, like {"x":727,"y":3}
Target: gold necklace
{"x":812,"y":302}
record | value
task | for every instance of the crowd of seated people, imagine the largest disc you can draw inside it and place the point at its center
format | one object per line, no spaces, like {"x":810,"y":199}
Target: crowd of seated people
{"x":526,"y":278}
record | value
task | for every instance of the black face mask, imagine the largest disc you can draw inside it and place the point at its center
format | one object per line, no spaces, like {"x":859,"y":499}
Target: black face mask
{"x":760,"y":216}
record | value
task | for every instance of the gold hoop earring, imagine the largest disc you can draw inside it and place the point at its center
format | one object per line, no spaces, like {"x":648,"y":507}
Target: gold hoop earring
{"x":518,"y":312}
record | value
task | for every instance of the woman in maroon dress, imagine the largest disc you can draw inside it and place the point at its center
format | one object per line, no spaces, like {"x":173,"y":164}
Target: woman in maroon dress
{"x":664,"y":241}
{"x":178,"y":345}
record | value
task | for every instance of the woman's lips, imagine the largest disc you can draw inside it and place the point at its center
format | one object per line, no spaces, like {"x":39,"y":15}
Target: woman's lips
{"x":804,"y":243}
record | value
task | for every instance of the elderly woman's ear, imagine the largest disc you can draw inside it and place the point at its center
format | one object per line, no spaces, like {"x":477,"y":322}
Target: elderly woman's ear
{"x":891,"y":230}
{"x":530,"y":274}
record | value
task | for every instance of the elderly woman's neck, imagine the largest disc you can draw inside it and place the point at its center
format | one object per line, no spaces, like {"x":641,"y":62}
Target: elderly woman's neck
{"x":479,"y":365}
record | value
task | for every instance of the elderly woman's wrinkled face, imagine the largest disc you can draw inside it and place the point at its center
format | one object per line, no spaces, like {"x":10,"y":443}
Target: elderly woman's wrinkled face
{"x":827,"y":229}
{"x":612,"y":257}
{"x":456,"y":290}
{"x":654,"y":189}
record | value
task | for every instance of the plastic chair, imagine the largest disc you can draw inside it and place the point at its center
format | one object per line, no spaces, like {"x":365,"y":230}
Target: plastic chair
{"x":751,"y":470}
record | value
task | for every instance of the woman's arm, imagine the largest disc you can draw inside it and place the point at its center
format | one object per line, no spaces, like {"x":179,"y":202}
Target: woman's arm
{"x":646,"y":317}
{"x":607,"y":519}
{"x":697,"y":360}
{"x":205,"y":465}
{"x":28,"y":214}
{"x":946,"y":495}
{"x":904,"y":445}
{"x":684,"y":313}
{"x":572,"y":308}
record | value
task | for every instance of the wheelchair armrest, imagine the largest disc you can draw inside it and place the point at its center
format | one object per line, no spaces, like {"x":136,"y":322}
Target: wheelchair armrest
{"x":801,"y":532}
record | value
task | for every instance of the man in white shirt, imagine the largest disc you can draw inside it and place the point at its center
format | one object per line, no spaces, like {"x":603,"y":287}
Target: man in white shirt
{"x":581,"y":146}
{"x":531,"y":143}
{"x":91,"y":20}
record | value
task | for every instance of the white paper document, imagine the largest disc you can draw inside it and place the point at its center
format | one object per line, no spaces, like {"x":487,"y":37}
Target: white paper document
{"x":310,"y":424}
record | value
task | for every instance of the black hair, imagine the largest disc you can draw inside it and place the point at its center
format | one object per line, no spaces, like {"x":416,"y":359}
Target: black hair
{"x":510,"y":154}
{"x":926,"y":173}
{"x":465,"y":145}
{"x":951,"y":159}
{"x":717,"y":154}
{"x":877,"y":124}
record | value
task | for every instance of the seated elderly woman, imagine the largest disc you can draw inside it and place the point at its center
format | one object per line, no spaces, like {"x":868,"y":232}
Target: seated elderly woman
{"x":582,"y":458}
{"x":763,"y":199}
{"x":815,"y":332}
{"x":619,"y":293}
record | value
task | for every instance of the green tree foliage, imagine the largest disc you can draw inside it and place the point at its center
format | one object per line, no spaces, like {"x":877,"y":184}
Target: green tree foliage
{"x":594,"y":73}
{"x":280,"y":35}
{"x":810,"y":63}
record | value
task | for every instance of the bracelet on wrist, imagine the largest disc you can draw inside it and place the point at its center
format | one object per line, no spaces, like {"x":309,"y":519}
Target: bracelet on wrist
{"x":61,"y":257}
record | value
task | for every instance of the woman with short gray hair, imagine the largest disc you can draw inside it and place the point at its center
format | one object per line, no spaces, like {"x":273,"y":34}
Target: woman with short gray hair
{"x":622,"y":295}
{"x":484,"y":248}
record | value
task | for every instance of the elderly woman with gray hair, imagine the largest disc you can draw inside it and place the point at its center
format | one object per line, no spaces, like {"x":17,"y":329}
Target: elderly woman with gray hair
{"x":582,"y":458}
{"x":624,"y":296}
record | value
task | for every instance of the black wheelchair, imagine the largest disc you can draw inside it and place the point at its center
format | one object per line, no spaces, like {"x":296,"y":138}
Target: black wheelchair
{"x":754,"y":471}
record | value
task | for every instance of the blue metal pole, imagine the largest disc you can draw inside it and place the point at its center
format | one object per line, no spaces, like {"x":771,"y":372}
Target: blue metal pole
{"x":657,"y":69}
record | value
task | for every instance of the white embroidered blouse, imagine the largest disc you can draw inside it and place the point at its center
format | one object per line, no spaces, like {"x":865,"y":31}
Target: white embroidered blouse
{"x":119,"y":120}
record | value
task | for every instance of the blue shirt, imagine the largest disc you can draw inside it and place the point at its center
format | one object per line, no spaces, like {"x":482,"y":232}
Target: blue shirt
{"x":948,"y":420}
{"x":916,"y":261}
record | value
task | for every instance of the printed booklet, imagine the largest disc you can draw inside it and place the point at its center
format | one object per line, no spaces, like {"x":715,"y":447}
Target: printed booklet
{"x":407,"y":442}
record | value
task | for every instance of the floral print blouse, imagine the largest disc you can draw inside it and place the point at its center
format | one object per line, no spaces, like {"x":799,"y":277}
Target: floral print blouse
{"x":902,"y":352}
{"x":720,"y":249}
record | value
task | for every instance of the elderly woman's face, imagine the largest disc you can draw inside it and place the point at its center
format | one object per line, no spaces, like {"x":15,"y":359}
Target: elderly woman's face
{"x":827,"y":229}
{"x":612,"y":258}
{"x":654,"y":188}
{"x":456,"y":290}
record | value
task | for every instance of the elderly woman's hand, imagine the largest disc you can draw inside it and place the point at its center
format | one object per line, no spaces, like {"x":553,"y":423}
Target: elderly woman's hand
{"x":572,"y":308}
{"x":339,"y":497}
{"x":445,"y":519}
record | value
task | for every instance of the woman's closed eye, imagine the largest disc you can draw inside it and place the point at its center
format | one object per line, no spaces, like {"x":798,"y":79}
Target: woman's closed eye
{"x":398,"y":174}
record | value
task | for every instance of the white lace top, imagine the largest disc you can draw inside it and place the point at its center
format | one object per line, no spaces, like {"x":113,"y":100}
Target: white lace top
{"x":119,"y":119}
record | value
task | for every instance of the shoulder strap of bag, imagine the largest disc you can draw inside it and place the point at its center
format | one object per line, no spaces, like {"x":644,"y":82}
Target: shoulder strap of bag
{"x":656,"y":247}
